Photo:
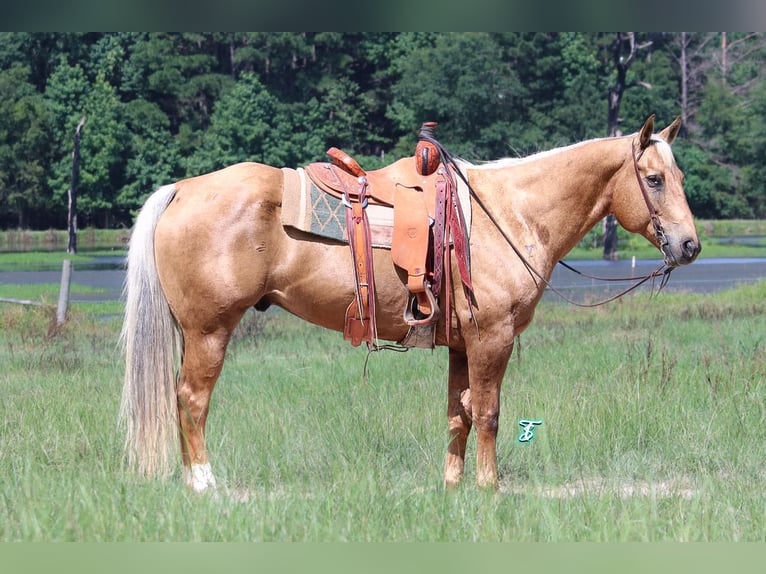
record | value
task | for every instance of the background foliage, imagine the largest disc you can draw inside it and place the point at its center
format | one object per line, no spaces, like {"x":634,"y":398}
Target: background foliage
{"x":162,"y":106}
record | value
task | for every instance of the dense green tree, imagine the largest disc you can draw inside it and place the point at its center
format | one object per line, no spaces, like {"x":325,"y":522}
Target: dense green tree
{"x":708,"y":184}
{"x":71,"y":96}
{"x":248,"y":125}
{"x":753,"y":153}
{"x":462,"y":82}
{"x":103,"y":148}
{"x":180,"y":73}
{"x":153,"y":158}
{"x":655,"y":87}
{"x":23,"y":150}
{"x":65,"y":94}
{"x":162,"y":106}
{"x":577,"y":113}
{"x":725,"y":137}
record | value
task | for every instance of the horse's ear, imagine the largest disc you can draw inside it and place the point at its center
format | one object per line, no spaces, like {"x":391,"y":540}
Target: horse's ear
{"x":645,"y":135}
{"x":670,"y":132}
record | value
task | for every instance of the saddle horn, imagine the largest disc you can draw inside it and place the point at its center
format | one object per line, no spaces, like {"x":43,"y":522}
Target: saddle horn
{"x":427,"y":155}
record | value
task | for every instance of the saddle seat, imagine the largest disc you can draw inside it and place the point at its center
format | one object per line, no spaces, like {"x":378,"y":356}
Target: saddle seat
{"x":337,"y":179}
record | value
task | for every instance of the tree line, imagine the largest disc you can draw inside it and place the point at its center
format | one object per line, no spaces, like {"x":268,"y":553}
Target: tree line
{"x":163,"y":106}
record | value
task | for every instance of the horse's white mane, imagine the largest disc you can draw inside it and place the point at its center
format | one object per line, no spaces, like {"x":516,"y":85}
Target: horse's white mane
{"x":663,"y":148}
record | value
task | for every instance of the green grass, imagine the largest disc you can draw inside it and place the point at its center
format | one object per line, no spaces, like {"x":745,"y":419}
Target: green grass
{"x":644,"y":250}
{"x":47,"y":295}
{"x":732,"y":227}
{"x":44,"y":292}
{"x":654,"y":429}
{"x":50,"y":260}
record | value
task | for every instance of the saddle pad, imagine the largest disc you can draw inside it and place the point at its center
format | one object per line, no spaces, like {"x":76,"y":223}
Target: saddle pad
{"x":307,"y":208}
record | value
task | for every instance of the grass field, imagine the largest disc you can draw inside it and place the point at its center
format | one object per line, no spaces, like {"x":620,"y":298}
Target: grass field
{"x":654,"y":429}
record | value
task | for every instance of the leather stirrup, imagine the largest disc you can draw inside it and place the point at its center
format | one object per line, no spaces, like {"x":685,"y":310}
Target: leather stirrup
{"x":422,"y":308}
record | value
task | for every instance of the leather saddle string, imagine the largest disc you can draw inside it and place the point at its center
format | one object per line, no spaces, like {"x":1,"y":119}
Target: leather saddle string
{"x":364,"y":280}
{"x":368,"y":257}
{"x":457,"y":230}
{"x":439,"y":235}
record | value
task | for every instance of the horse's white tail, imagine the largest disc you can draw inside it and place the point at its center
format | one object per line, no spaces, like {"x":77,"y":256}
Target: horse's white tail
{"x":153,"y":345}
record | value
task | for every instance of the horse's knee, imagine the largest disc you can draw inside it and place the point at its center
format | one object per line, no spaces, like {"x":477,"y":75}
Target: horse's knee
{"x":487,"y":422}
{"x":465,"y":402}
{"x":460,"y":422}
{"x":460,"y":419}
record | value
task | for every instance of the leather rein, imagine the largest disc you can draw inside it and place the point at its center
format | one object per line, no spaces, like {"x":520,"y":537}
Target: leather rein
{"x":662,"y":271}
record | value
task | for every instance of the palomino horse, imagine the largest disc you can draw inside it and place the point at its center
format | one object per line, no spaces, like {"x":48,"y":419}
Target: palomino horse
{"x":204,"y":250}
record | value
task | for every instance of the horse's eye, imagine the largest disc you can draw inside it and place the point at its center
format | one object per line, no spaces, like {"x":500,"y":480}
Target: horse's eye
{"x":654,"y":180}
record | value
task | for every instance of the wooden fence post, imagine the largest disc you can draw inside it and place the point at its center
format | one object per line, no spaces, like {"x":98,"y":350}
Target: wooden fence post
{"x":66,"y":277}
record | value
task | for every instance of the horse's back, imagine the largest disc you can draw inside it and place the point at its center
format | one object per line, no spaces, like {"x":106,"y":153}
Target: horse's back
{"x":231,"y":186}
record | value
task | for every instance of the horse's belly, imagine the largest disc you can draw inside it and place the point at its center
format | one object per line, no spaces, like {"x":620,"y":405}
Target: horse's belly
{"x":316,"y":282}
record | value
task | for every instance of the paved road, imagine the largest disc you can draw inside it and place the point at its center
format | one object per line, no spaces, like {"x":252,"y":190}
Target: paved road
{"x":703,"y":276}
{"x":106,"y":274}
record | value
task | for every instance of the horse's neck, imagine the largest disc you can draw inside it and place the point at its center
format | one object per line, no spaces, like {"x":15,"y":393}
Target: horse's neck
{"x":554,"y":198}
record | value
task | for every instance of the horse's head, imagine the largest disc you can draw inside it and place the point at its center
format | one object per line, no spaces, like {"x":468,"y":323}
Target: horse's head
{"x":649,"y":197}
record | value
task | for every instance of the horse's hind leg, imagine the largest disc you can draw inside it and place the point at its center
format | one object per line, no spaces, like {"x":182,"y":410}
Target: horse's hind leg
{"x":459,"y":417}
{"x":202,"y":363}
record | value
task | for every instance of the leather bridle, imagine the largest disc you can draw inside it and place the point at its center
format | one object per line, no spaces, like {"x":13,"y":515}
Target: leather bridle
{"x":659,"y":232}
{"x":662,"y":271}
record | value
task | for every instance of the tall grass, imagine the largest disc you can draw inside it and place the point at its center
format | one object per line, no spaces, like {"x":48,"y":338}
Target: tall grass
{"x":654,"y":429}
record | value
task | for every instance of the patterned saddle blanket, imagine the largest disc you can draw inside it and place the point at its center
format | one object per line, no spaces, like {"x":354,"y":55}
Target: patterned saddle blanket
{"x":308,"y":208}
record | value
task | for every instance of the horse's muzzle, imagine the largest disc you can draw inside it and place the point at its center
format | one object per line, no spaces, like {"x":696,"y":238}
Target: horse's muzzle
{"x":682,"y":252}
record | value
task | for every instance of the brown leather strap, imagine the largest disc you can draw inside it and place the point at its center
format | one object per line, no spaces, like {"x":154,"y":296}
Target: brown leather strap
{"x":457,"y":231}
{"x":360,"y":314}
{"x":439,"y":235}
{"x":659,"y":232}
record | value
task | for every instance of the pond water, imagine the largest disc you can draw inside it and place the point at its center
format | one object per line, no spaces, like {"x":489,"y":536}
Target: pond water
{"x":705,"y":275}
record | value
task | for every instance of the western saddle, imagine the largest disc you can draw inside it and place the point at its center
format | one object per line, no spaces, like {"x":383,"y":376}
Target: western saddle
{"x":427,"y":218}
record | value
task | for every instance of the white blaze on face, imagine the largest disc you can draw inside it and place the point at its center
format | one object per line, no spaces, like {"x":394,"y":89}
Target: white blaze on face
{"x":199,"y":477}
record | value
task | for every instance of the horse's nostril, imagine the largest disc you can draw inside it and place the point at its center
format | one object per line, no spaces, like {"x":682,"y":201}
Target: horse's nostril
{"x":691,"y":248}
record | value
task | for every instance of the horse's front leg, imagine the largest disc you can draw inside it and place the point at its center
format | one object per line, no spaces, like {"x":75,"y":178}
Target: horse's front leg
{"x":202,"y":364}
{"x":458,"y":416}
{"x":486,"y":370}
